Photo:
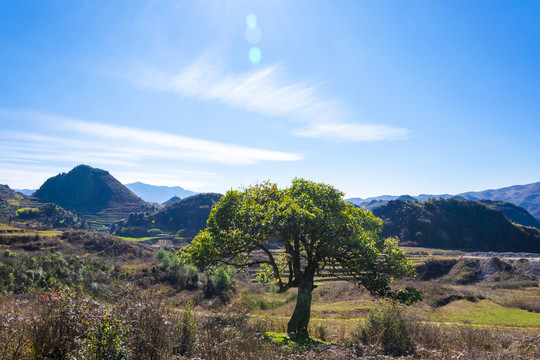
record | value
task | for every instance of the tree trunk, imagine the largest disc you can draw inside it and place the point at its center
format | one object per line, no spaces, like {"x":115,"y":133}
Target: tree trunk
{"x":298,"y":325}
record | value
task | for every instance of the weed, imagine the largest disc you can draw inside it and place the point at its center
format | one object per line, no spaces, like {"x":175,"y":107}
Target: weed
{"x":187,"y":332}
{"x":389,"y":328}
{"x":319,"y":331}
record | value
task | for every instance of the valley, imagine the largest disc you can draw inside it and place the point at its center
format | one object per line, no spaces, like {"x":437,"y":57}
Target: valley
{"x":479,"y":273}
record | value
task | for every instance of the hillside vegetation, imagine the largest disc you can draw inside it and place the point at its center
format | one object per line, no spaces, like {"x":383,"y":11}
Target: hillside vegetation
{"x":455,"y":224}
{"x":85,"y":189}
{"x":186,"y":217}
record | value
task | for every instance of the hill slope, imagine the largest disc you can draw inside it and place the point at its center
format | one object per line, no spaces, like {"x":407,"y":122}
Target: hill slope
{"x":514,"y":213}
{"x":526,"y":196}
{"x":10,"y":201}
{"x":158,"y":194}
{"x":171,"y":200}
{"x":455,"y":224}
{"x":88,"y":190}
{"x":188,"y":216}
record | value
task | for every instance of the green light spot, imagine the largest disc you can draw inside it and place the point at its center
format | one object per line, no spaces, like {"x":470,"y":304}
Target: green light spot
{"x":255,"y":55}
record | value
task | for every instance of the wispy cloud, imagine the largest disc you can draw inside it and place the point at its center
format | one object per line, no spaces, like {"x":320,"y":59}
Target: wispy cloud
{"x":352,"y":131}
{"x":266,"y":91}
{"x":130,"y":144}
{"x":130,"y":150}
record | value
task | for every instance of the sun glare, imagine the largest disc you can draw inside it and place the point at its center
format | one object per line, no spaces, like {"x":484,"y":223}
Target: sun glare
{"x":255,"y":55}
{"x":253,"y":35}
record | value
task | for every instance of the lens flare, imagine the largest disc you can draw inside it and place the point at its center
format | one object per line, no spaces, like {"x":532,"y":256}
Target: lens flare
{"x":255,"y":55}
{"x":251,"y":20}
{"x":253,"y":34}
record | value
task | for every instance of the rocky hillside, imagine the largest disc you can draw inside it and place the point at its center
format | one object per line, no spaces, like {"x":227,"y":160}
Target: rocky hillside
{"x":471,"y":269}
{"x":455,"y":224}
{"x":88,"y":190}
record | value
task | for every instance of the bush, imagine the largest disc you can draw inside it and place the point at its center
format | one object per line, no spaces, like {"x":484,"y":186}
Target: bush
{"x":62,"y":319}
{"x":151,"y":328}
{"x":21,"y":273}
{"x":187,"y":333}
{"x":224,"y":278}
{"x":107,"y":339}
{"x":169,"y":260}
{"x":13,"y":328}
{"x":388,"y":327}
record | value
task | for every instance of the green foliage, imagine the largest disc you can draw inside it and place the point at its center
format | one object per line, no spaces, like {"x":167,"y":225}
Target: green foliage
{"x":187,"y":332}
{"x":181,"y":275}
{"x":22,"y":273}
{"x":169,"y":259}
{"x":27,"y":213}
{"x":223,"y":278}
{"x":265,"y":274}
{"x":312,"y":223}
{"x":319,"y":232}
{"x":455,"y":224}
{"x":50,"y":215}
{"x":388,"y":327}
{"x":107,"y":339}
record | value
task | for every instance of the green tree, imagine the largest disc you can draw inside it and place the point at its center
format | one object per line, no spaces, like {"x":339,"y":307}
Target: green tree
{"x":319,"y":232}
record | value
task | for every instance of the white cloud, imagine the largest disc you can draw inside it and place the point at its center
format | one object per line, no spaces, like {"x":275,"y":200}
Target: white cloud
{"x":145,"y":143}
{"x":352,"y":131}
{"x":129,"y":145}
{"x":265,"y":91}
{"x":127,"y":151}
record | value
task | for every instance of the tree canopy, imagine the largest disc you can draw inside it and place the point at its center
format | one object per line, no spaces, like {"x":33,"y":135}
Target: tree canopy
{"x":318,"y":233}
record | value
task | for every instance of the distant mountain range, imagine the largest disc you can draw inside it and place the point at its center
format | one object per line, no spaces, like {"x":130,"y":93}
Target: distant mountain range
{"x":96,"y":197}
{"x":158,"y":194}
{"x":526,"y":196}
{"x":26,"y":192}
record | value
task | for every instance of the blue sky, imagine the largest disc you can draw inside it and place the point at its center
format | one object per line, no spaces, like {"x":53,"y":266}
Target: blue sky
{"x":373,"y":97}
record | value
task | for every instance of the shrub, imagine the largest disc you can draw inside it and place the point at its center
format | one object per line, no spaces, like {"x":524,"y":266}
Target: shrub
{"x":27,"y":213}
{"x":62,"y":319}
{"x":13,"y":337}
{"x":220,"y":280}
{"x":151,"y":328}
{"x":21,"y":273}
{"x":388,"y":327}
{"x":187,"y":333}
{"x":224,"y":278}
{"x":107,"y":339}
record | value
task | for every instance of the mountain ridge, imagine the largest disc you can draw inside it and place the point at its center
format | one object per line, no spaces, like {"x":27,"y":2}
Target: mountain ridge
{"x":526,"y":196}
{"x":158,"y":194}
